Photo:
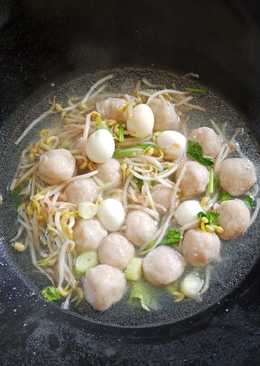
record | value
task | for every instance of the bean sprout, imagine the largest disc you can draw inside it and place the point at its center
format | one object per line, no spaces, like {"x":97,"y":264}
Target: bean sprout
{"x":47,"y":221}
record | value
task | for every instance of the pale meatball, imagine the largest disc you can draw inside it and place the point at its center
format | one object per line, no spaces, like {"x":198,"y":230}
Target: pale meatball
{"x":110,"y":172}
{"x":200,"y":248}
{"x":81,"y":190}
{"x":162,"y":196}
{"x":113,"y":108}
{"x":140,"y":227}
{"x":195,"y":179}
{"x":208,"y":139}
{"x":237,"y":176}
{"x":56,"y":166}
{"x":104,"y":286}
{"x":165,"y":115}
{"x":116,"y":251}
{"x":88,"y":234}
{"x":163,"y":265}
{"x":234,"y":218}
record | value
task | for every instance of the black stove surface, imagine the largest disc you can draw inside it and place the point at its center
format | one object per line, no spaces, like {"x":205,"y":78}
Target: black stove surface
{"x":35,"y":46}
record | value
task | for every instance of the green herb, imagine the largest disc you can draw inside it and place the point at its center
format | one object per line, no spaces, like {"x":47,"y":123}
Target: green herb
{"x":127,"y":153}
{"x":143,"y":294}
{"x":133,"y":271}
{"x":16,"y":197}
{"x":211,"y":216}
{"x":144,"y":145}
{"x":249,"y":201}
{"x":224,"y":196}
{"x":51,"y":294}
{"x":139,"y":183}
{"x":121,"y":133}
{"x":197,"y":90}
{"x":195,"y":151}
{"x":85,"y":262}
{"x":132,"y":151}
{"x":172,"y":237}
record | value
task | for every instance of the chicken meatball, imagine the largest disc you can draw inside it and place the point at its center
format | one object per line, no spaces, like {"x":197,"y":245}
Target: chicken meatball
{"x":81,"y":190}
{"x":56,"y":166}
{"x":195,"y":179}
{"x":234,"y":218}
{"x":237,"y":175}
{"x":110,"y":172}
{"x":200,"y":248}
{"x":165,"y":115}
{"x":116,"y":251}
{"x":140,"y":227}
{"x":162,"y":196}
{"x":104,"y":286}
{"x":208,"y":139}
{"x":163,"y":265}
{"x":113,"y":108}
{"x":88,"y":235}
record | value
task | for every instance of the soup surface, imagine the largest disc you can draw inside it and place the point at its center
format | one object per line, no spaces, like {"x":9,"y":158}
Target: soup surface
{"x":136,"y":196}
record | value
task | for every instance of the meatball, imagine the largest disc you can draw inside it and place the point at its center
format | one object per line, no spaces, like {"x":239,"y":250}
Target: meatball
{"x":163,"y":265}
{"x":88,"y":235}
{"x":200,"y":248}
{"x":104,"y":286}
{"x":81,"y":190}
{"x":165,"y":115}
{"x":56,"y":166}
{"x":116,"y":251}
{"x":100,"y":146}
{"x":162,"y":196}
{"x":140,"y":227}
{"x":110,"y":172}
{"x":234,"y":218}
{"x":173,"y":144}
{"x":111,"y":213}
{"x":195,"y":179}
{"x":187,"y":212}
{"x":237,"y":175}
{"x":113,"y":108}
{"x":140,"y":122}
{"x":208,"y":139}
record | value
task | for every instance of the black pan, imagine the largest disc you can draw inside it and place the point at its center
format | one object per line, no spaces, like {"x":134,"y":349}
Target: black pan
{"x":44,"y":44}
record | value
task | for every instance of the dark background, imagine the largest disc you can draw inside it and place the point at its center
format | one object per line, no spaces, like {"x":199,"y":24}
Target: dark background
{"x":43,"y":42}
